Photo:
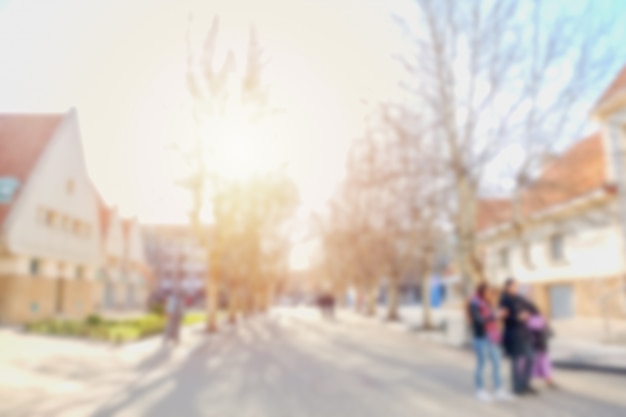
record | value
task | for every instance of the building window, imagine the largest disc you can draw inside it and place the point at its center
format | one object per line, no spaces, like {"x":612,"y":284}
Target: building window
{"x":102,"y":274}
{"x":35,"y":267}
{"x":52,"y":218}
{"x":503,"y":257}
{"x":77,"y":227}
{"x":80,"y":272}
{"x":528,"y":255}
{"x":69,"y":186}
{"x":557,"y":247}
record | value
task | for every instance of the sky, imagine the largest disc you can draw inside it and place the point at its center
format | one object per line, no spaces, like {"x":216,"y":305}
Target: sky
{"x":122,"y":65}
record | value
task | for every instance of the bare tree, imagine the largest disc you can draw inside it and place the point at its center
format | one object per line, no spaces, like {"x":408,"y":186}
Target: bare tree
{"x":215,"y":97}
{"x":491,"y":76}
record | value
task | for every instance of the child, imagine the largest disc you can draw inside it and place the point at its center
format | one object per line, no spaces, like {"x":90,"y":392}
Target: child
{"x":539,"y":334}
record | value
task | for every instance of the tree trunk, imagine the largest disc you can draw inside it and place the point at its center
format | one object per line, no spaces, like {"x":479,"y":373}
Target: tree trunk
{"x":212,"y":289}
{"x":466,"y":233}
{"x":393,"y":301}
{"x":340,"y":294}
{"x":370,"y":308}
{"x":212,"y":306}
{"x":233,"y":305}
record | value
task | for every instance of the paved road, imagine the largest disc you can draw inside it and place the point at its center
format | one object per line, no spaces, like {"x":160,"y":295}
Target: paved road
{"x":290,"y":364}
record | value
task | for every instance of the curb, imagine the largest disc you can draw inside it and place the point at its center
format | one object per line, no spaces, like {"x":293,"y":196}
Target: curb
{"x":588,"y":367}
{"x":557,"y":363}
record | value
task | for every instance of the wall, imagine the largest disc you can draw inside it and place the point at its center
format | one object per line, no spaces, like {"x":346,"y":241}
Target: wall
{"x":135,"y":248}
{"x":593,"y":249}
{"x":25,"y":298}
{"x":59,"y":184}
{"x":592,"y":297}
{"x":114,"y":246}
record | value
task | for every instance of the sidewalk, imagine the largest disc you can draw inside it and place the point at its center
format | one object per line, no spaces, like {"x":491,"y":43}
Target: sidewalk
{"x":577,"y":344}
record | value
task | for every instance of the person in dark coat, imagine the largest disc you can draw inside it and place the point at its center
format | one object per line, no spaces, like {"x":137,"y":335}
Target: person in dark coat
{"x":516,"y":339}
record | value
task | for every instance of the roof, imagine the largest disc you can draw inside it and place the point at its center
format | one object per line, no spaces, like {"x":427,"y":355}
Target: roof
{"x":492,"y":212}
{"x":577,"y":172}
{"x":23,"y":138}
{"x":618,"y":86}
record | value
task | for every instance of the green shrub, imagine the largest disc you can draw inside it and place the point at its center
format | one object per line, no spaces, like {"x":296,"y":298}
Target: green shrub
{"x":93,"y":320}
{"x":116,"y":331}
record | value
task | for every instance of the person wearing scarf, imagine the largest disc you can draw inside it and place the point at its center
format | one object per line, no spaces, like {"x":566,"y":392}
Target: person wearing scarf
{"x":486,"y":341}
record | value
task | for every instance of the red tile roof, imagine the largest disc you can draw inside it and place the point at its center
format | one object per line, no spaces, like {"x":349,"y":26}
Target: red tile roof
{"x":492,"y":212}
{"x":23,"y":137}
{"x":578,"y":171}
{"x":618,"y":85}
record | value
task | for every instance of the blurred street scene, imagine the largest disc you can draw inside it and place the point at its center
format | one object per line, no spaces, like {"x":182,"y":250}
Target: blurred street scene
{"x":291,"y":363}
{"x":296,"y":208}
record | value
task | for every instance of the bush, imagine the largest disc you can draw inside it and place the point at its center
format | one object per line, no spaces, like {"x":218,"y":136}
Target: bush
{"x":157,"y":308}
{"x":93,"y":320}
{"x":116,"y":331}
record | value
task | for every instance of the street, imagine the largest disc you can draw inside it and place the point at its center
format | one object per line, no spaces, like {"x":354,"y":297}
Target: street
{"x":291,"y":363}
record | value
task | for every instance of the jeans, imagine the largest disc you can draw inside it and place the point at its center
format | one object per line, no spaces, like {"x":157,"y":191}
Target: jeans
{"x":521,"y":368}
{"x":487,"y":350}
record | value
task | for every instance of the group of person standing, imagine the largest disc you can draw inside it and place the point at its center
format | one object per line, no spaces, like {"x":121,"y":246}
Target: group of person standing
{"x":513,"y":323}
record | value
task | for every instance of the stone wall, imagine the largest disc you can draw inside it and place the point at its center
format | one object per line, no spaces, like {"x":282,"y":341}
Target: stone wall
{"x":26,"y":298}
{"x":587,"y":294}
{"x":79,"y":298}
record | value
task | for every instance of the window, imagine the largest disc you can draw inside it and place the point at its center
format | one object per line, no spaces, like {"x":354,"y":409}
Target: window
{"x":102,"y":274}
{"x":557,"y":247}
{"x":528,"y":255}
{"x":35,"y":267}
{"x":52,"y":218}
{"x":80,"y":272}
{"x":503,"y":257}
{"x":69,"y":186}
{"x":77,"y":227}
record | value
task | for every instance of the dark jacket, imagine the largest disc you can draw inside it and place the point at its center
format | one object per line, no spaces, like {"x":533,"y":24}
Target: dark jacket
{"x":478,"y":320}
{"x":516,"y":335}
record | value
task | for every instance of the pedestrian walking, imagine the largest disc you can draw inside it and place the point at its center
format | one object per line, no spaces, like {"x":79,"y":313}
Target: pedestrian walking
{"x":486,"y":343}
{"x":174,"y":309}
{"x":516,"y":339}
{"x":539,"y":335}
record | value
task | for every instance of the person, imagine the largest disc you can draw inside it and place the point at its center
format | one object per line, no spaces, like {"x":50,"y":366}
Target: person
{"x":174,"y":307}
{"x":539,"y":334}
{"x":326,"y":302}
{"x":516,"y":338}
{"x":486,"y":339}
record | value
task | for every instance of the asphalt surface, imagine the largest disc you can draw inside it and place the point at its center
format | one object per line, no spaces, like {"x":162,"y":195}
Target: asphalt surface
{"x":289,"y":364}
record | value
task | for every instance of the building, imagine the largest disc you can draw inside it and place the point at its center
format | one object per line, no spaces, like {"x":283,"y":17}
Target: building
{"x":566,"y":245}
{"x":167,"y":246}
{"x":49,"y":234}
{"x":124,"y":270}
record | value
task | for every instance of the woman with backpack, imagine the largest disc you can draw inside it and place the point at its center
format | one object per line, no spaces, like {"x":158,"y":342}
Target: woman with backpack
{"x":484,"y":320}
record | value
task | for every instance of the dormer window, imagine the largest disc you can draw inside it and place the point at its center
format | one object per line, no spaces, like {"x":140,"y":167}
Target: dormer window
{"x":69,"y":186}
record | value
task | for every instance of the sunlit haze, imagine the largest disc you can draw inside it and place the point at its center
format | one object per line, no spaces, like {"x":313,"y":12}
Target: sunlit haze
{"x":128,"y":85}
